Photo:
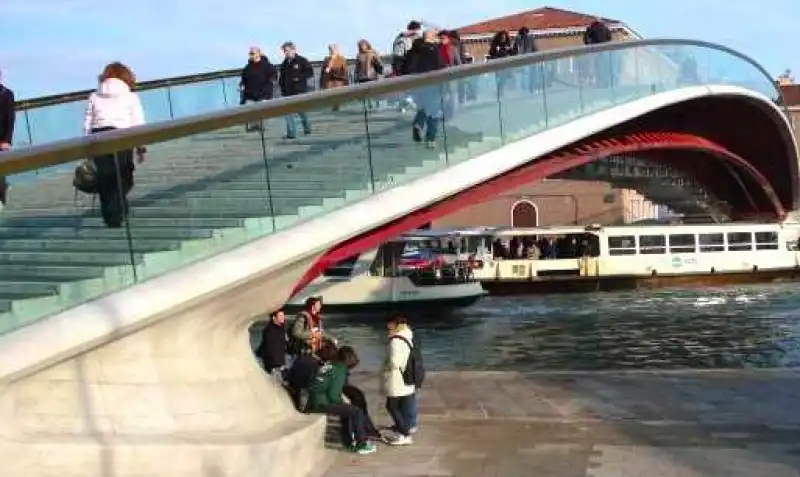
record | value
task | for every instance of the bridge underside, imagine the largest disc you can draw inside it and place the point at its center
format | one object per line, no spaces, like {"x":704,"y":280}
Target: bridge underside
{"x":660,"y":184}
{"x":742,"y":169}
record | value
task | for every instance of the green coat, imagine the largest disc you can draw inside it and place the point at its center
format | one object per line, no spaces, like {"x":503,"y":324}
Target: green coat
{"x":327,"y":387}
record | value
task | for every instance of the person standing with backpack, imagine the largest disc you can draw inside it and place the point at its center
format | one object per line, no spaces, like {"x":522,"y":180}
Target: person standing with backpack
{"x":403,"y":373}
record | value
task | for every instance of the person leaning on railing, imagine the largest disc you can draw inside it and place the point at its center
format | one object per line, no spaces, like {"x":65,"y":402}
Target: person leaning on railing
{"x":8,"y":115}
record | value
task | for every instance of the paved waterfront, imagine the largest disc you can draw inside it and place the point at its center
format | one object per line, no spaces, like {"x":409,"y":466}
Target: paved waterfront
{"x":594,"y":424}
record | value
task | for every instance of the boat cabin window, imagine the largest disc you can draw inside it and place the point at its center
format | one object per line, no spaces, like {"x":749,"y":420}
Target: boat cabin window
{"x":652,"y":244}
{"x":622,"y":245}
{"x":712,"y":242}
{"x":767,"y":241}
{"x":343,"y":268}
{"x":740,"y":241}
{"x":681,"y":243}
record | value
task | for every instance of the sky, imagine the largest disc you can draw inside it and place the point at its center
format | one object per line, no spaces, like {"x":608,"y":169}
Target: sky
{"x":54,"y":46}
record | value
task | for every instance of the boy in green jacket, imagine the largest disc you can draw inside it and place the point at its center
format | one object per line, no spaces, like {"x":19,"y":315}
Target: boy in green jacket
{"x":325,"y":396}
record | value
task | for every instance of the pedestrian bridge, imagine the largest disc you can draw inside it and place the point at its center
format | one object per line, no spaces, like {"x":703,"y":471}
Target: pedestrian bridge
{"x":126,"y":348}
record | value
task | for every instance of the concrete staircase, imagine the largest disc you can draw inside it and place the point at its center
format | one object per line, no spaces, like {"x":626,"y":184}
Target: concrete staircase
{"x":205,"y":194}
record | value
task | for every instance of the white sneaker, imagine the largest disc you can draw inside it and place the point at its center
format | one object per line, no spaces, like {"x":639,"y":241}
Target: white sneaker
{"x":413,"y":430}
{"x":400,"y":441}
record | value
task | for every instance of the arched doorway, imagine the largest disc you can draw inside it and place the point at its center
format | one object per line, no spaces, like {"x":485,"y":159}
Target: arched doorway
{"x":524,"y":214}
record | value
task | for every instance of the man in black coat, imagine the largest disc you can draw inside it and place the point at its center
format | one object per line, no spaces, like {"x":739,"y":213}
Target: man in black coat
{"x":272,"y":350}
{"x":258,"y":77}
{"x":8,"y":115}
{"x":604,"y":63}
{"x":258,"y":80}
{"x":424,"y":57}
{"x":296,"y":71}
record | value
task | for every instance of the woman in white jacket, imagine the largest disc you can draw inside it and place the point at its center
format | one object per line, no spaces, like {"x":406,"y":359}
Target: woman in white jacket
{"x":114,"y":106}
{"x":399,"y":396}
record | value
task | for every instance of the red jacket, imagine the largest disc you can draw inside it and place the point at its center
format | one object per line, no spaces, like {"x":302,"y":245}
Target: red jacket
{"x":446,"y":54}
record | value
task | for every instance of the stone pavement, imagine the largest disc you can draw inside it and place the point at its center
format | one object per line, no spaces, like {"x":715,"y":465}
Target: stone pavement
{"x":593,"y":424}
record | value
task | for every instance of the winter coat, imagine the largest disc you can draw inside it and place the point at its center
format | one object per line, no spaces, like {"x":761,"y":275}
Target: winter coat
{"x":397,"y":354}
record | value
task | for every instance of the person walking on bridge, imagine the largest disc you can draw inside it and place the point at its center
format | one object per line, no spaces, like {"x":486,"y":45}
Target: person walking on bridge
{"x":598,"y":33}
{"x":114,"y":106}
{"x":8,"y":115}
{"x":258,"y":80}
{"x":296,"y":71}
{"x":423,"y":57}
{"x":400,"y":48}
{"x":525,"y":44}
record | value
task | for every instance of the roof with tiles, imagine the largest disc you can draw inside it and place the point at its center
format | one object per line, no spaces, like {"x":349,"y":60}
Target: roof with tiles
{"x":545,"y":18}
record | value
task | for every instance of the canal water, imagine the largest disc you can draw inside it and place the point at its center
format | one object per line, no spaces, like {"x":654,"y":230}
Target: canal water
{"x":754,"y":326}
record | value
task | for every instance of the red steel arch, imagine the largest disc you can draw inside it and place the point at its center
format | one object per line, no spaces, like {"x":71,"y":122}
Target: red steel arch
{"x":641,"y":143}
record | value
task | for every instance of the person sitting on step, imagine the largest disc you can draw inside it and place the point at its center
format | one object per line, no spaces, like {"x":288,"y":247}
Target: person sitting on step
{"x":326,"y":393}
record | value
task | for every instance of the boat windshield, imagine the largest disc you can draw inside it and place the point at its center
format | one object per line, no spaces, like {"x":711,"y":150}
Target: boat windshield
{"x":456,"y":244}
{"x":426,"y":262}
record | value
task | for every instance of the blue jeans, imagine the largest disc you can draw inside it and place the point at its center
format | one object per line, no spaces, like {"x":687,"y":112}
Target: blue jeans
{"x":291,"y":124}
{"x":429,"y":110}
{"x":412,"y":410}
{"x":427,"y":123}
{"x":401,"y":409}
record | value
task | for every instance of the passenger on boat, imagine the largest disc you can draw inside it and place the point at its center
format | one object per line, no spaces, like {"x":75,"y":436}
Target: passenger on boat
{"x":514,"y":248}
{"x":325,"y":396}
{"x":273,"y":347}
{"x":401,"y":400}
{"x":307,"y":335}
{"x":547,"y":250}
{"x":499,"y":249}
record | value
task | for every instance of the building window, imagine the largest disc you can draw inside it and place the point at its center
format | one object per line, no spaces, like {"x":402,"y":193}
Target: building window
{"x":740,"y":241}
{"x":524,"y":213}
{"x":712,"y":242}
{"x":767,"y":241}
{"x":622,"y":245}
{"x":681,"y":243}
{"x":652,"y":244}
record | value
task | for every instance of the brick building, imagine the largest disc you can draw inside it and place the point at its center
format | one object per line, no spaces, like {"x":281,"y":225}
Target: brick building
{"x":791,"y":95}
{"x":553,"y":201}
{"x":552,"y":28}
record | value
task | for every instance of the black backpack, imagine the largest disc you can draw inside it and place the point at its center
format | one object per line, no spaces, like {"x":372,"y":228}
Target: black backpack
{"x":414,"y":372}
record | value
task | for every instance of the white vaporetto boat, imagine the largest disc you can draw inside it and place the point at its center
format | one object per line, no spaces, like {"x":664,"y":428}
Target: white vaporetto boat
{"x":595,"y":258}
{"x":401,"y":275}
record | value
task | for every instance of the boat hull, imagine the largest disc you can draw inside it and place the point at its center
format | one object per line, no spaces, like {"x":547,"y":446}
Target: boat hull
{"x":587,"y":284}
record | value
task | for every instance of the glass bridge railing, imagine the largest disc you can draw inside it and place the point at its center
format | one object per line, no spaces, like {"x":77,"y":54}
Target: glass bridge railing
{"x":213,"y":182}
{"x":58,"y":117}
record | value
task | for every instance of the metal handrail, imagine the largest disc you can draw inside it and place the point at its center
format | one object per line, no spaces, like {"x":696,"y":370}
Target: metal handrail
{"x":68,"y":150}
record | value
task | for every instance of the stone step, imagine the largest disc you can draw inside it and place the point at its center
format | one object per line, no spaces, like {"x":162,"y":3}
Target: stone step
{"x":102,"y":233}
{"x":80,"y":245}
{"x":14,"y":290}
{"x":83,"y":259}
{"x":140,"y":222}
{"x":49,"y":273}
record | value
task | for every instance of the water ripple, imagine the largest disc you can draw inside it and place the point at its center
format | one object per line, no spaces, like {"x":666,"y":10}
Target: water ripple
{"x":756,"y":326}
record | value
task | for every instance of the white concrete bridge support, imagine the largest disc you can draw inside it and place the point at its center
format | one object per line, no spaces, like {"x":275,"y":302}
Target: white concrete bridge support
{"x":183,"y":397}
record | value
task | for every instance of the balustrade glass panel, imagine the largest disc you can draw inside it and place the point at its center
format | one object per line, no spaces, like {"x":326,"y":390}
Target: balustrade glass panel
{"x":198,"y":98}
{"x":55,"y":251}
